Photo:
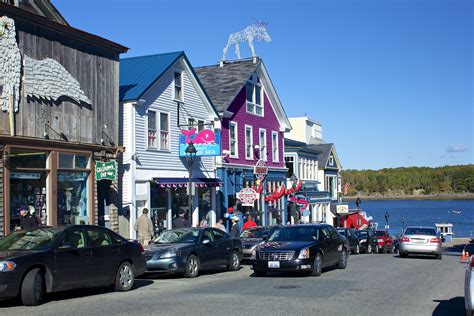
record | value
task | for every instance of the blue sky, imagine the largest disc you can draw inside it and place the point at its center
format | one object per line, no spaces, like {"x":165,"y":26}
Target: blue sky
{"x":391,"y":81}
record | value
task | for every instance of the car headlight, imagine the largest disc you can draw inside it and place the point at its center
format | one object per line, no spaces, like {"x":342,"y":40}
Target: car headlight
{"x":304,"y":253}
{"x":170,"y":254}
{"x":253,"y":255}
{"x":7,"y":266}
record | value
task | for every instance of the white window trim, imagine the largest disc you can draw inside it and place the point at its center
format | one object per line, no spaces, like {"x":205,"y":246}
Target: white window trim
{"x":182,"y":85}
{"x":277,"y":158}
{"x":158,"y":131}
{"x":231,"y":123}
{"x":331,"y":160}
{"x":251,"y":140}
{"x":263,"y":152}
{"x":254,"y":81}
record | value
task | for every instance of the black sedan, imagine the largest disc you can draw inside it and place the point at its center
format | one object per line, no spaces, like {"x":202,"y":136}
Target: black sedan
{"x":301,"y":248}
{"x":252,"y":237}
{"x":189,"y":250}
{"x":50,"y":259}
{"x":367,"y":241}
{"x":352,"y":238}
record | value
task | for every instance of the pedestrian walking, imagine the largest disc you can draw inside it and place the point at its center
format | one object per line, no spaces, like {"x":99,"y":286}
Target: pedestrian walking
{"x":144,"y":228}
{"x":249,"y":223}
{"x":358,"y":202}
{"x":180,"y":222}
{"x":235,"y":229}
{"x":220,"y":225}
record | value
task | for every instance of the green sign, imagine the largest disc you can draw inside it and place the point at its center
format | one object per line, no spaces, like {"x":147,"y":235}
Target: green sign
{"x":105,"y":170}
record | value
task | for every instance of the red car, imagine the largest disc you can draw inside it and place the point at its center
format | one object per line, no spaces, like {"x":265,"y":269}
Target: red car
{"x":384,"y":241}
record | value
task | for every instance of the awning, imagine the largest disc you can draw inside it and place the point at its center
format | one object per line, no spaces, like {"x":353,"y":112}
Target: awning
{"x":183,"y":182}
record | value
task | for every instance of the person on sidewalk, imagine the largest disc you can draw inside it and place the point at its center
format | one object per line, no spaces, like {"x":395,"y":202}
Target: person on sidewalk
{"x":28,"y":220}
{"x":180,"y":222}
{"x":235,"y":229}
{"x":220,"y":225}
{"x":144,"y":228}
{"x":249,"y":223}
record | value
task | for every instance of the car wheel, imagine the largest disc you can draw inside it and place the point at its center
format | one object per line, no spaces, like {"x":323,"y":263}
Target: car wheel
{"x":32,"y":288}
{"x":369,"y":248}
{"x":342,"y":264}
{"x":357,"y":250}
{"x":385,"y":249}
{"x":377,"y":249}
{"x":125,"y":277}
{"x":234,"y":262}
{"x":259,"y":273}
{"x":318,"y":265}
{"x":439,"y":256}
{"x":192,"y":267}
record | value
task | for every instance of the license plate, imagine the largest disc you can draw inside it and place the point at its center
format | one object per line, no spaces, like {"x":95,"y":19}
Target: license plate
{"x":273,"y":264}
{"x":419,"y":241}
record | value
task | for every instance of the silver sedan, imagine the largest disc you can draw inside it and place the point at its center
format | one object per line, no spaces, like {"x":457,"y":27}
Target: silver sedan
{"x":469,"y":287}
{"x":420,"y":241}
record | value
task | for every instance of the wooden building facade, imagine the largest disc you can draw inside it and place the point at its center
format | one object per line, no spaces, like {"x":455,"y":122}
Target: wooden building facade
{"x":59,"y":116}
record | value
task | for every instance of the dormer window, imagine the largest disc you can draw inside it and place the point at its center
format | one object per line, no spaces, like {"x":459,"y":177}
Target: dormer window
{"x":254,"y":93}
{"x":331,"y":160}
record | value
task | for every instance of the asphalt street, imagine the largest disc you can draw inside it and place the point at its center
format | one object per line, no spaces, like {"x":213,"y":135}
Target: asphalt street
{"x":371,"y":285}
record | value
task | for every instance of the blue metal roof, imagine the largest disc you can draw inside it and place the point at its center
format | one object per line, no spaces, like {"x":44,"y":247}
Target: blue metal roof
{"x":138,"y":74}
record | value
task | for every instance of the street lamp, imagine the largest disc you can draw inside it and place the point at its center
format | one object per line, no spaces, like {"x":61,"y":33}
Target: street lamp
{"x":190,"y":152}
{"x":294,"y":180}
{"x":403,"y":223}
{"x":387,"y":216}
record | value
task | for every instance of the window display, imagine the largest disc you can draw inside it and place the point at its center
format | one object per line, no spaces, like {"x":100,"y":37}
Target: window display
{"x":72,"y":197}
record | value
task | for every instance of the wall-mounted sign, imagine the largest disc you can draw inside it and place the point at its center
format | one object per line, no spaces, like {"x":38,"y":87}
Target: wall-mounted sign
{"x":106,"y":170}
{"x":260,"y":170}
{"x":247,"y":196}
{"x":207,"y":142}
{"x":342,"y":209}
{"x":25,"y":175}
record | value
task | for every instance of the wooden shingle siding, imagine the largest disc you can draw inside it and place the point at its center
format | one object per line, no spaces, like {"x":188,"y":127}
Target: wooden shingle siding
{"x":2,"y":213}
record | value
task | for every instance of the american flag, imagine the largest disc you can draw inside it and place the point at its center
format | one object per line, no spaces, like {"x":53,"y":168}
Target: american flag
{"x":346,"y":188}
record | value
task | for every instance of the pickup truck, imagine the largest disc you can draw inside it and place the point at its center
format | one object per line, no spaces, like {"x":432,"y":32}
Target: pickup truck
{"x":384,"y":241}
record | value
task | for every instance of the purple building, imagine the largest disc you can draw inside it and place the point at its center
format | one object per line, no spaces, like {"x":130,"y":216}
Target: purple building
{"x":253,"y":123}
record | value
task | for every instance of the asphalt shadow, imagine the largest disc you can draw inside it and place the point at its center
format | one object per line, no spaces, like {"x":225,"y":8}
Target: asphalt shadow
{"x":72,"y":294}
{"x":173,"y":276}
{"x":453,"y":306}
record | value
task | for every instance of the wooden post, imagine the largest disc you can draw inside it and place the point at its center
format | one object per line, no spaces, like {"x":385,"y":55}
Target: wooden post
{"x":12,"y":116}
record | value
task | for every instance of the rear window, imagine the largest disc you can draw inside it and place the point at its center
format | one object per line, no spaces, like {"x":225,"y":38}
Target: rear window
{"x":420,"y":231}
{"x":379,"y":233}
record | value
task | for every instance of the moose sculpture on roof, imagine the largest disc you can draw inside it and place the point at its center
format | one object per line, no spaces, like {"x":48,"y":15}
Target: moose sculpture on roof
{"x":256,"y":30}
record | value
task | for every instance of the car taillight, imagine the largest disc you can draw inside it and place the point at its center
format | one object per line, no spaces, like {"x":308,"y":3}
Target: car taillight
{"x":405,"y":239}
{"x":435,"y":240}
{"x":142,"y":250}
{"x":379,"y":240}
{"x":471,"y":264}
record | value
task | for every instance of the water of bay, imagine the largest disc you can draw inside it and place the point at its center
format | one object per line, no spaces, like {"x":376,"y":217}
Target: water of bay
{"x":422,"y":213}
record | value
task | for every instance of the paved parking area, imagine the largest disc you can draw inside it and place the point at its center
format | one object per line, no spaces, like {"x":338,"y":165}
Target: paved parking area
{"x":371,"y":285}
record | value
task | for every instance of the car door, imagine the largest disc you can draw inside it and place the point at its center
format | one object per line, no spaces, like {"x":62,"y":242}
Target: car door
{"x":105,"y":255}
{"x":336,"y":243}
{"x":325,"y":244}
{"x":224,"y":242}
{"x":72,"y":260}
{"x":209,"y":249}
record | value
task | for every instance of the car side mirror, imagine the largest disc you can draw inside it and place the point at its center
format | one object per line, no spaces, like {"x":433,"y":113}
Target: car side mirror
{"x":206,"y":241}
{"x":65,"y":246}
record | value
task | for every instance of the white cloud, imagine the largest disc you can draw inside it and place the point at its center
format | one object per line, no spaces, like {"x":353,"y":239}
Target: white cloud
{"x":456,"y":148}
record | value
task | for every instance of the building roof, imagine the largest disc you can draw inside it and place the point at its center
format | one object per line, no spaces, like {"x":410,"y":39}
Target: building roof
{"x":325,"y":150}
{"x":42,"y":7}
{"x":224,"y":83}
{"x":138,"y":74}
{"x":301,"y":148}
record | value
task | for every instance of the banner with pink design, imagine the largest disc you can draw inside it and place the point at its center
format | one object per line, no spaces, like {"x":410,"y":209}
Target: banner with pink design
{"x":207,"y":142}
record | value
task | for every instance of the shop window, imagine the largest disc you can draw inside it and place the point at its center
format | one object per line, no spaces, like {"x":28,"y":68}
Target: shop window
{"x":72,"y":197}
{"x":290,"y":165}
{"x":27,"y":159}
{"x":72,"y":161}
{"x":151,"y":129}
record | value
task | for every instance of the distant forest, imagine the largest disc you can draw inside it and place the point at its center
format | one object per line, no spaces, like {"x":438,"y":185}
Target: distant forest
{"x":410,"y":181}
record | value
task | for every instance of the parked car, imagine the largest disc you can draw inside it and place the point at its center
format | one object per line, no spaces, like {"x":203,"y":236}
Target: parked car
{"x":420,"y":241}
{"x":352,"y":238}
{"x":367,"y":241}
{"x":384,"y":241}
{"x":469,"y":287}
{"x":252,"y":237}
{"x":301,"y":248}
{"x":189,"y":250}
{"x":51,"y":259}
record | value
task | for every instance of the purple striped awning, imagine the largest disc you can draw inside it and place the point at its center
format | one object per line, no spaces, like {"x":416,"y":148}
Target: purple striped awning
{"x":183,"y":182}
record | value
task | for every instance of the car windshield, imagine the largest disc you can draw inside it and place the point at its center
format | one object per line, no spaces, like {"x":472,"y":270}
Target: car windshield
{"x":362,"y":233}
{"x":296,"y":234}
{"x":379,"y":233}
{"x":38,"y":239}
{"x":420,"y":231}
{"x":342,"y":231}
{"x":178,"y":236}
{"x":255,"y":233}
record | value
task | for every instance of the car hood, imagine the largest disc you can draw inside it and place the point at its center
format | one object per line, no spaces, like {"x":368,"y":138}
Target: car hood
{"x":286,"y":245}
{"x":12,"y":254}
{"x":161,"y":248}
{"x":251,"y":241}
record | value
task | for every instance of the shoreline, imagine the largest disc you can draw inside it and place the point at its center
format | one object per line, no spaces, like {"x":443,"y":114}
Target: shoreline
{"x":440,"y":197}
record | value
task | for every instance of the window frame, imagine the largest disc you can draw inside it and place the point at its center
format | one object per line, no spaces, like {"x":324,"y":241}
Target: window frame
{"x":251,"y":157}
{"x":331,"y":160}
{"x":158,"y":131}
{"x":263,"y":150}
{"x":180,"y":73}
{"x":277,"y":158}
{"x":147,"y":130}
{"x":236,"y":133}
{"x":168,"y":148}
{"x":255,"y":83}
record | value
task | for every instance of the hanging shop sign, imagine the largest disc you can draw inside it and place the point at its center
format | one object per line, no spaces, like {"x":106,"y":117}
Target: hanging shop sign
{"x":342,"y":209}
{"x":207,"y":142}
{"x":106,"y":170}
{"x":247,"y":196}
{"x":260,"y":170}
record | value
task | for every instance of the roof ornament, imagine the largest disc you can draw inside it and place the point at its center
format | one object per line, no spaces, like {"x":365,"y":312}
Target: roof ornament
{"x":258,"y":30}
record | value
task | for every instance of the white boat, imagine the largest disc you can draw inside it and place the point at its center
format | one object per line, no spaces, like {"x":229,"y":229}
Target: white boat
{"x":445,"y":231}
